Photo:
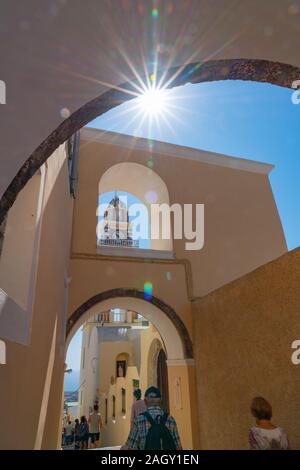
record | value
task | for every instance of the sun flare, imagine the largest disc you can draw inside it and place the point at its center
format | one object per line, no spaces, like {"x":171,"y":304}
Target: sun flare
{"x":153,"y":101}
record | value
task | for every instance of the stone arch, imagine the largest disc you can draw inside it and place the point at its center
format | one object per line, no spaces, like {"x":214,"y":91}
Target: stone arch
{"x":177,"y":341}
{"x":259,"y":70}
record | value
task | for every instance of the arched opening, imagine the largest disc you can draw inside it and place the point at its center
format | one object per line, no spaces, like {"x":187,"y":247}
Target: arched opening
{"x":117,"y":346}
{"x":177,"y":340}
{"x":144,"y":347}
{"x":127,"y":191}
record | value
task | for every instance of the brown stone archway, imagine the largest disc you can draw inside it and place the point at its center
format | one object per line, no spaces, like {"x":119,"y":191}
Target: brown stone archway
{"x":258,"y":70}
{"x":133,"y":293}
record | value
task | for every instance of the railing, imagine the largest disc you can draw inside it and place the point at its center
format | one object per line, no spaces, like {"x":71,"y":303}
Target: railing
{"x":103,"y":317}
{"x":112,"y":317}
{"x":119,"y":242}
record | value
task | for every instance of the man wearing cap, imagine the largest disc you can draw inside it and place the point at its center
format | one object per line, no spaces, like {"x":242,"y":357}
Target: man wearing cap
{"x":141,"y":425}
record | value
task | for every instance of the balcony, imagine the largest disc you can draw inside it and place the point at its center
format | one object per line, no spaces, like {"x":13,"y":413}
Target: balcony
{"x":118,"y":242}
{"x":124,"y":318}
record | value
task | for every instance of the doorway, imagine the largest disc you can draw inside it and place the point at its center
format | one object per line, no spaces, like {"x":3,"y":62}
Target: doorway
{"x":162,"y":380}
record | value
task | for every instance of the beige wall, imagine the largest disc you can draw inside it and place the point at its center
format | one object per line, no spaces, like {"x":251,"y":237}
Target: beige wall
{"x":243,"y":337}
{"x":17,"y":254}
{"x":19,"y":260}
{"x":108,"y":356}
{"x":240,"y":212}
{"x":115,"y":432}
{"x":25,"y":380}
{"x":237,"y":229}
{"x":237,"y":234}
{"x":183,"y":401}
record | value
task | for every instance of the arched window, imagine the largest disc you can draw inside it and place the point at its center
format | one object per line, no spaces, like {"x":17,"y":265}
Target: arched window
{"x":128,"y":193}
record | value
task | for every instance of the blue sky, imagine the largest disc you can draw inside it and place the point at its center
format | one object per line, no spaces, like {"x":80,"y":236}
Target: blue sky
{"x":256,"y":121}
{"x":252,"y":120}
{"x":74,"y":352}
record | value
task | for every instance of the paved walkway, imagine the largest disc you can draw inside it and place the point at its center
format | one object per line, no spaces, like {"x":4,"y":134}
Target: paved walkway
{"x":72,"y":447}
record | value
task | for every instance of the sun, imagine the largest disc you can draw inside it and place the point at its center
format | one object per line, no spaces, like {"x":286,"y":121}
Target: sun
{"x":153,"y":101}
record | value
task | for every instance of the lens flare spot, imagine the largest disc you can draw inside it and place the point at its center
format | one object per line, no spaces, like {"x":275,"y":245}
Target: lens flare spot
{"x":65,"y":113}
{"x":154,"y":13}
{"x":148,"y":288}
{"x":150,"y":163}
{"x":151,"y":197}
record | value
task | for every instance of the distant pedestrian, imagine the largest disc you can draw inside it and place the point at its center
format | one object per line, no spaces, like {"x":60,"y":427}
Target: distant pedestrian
{"x":83,"y":433}
{"x":95,"y":423}
{"x":154,"y":429}
{"x":69,"y":430}
{"x":138,"y":406}
{"x":265,"y":435}
{"x":76,"y":433}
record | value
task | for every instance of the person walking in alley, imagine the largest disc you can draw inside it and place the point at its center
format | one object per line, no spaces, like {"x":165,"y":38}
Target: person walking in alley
{"x":83,"y":433}
{"x":153,"y":429}
{"x":69,"y":431}
{"x":138,"y":406}
{"x":265,"y":435}
{"x":76,"y":433}
{"x":95,"y":423}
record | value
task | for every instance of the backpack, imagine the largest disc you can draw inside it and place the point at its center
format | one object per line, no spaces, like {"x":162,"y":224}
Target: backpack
{"x":159,"y":436}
